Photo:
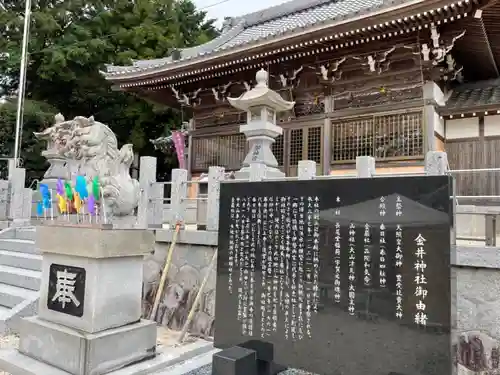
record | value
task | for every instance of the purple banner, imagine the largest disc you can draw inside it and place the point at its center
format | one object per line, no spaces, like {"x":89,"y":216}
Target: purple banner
{"x":179,"y":144}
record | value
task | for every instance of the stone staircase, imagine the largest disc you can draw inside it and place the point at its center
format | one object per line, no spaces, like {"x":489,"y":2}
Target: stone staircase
{"x":20,"y":266}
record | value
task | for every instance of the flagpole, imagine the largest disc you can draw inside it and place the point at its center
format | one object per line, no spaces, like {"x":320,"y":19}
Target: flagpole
{"x":22,"y":82}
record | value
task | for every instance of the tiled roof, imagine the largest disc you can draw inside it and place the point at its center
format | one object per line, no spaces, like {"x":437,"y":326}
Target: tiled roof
{"x":265,"y":24}
{"x":474,"y":95}
{"x":304,"y":18}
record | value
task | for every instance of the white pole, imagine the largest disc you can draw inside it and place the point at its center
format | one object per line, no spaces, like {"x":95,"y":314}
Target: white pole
{"x":22,"y":81}
{"x":51,"y":206}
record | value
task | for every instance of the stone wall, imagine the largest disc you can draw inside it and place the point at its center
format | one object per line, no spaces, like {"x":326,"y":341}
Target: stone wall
{"x":475,"y":286}
{"x":190,"y":263}
{"x":476,"y":274}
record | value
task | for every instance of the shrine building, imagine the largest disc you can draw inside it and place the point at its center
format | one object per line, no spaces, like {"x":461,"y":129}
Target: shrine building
{"x":388,"y":78}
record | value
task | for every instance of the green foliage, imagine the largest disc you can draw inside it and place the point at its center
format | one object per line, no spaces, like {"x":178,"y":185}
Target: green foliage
{"x":37,"y":116}
{"x":70,"y":41}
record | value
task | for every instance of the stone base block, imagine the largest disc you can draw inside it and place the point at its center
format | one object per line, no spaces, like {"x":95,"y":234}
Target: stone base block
{"x":265,"y":357}
{"x":111,"y":291}
{"x":78,"y":353}
{"x":264,"y":172}
{"x":235,"y":361}
{"x":16,"y":363}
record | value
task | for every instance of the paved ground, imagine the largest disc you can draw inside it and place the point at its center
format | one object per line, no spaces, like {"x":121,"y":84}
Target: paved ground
{"x":166,"y":338}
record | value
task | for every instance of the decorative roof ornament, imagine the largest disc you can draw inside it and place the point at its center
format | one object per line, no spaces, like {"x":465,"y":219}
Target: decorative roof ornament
{"x":165,"y":144}
{"x":261,"y":95}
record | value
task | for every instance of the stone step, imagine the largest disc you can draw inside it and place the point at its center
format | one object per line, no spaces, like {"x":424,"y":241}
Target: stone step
{"x":4,"y":311}
{"x":21,"y":260}
{"x":28,"y":233}
{"x":22,"y":278}
{"x":21,"y":246}
{"x":11,"y":296}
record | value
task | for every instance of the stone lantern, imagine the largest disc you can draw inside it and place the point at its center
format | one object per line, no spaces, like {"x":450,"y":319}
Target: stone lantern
{"x":261,"y":104}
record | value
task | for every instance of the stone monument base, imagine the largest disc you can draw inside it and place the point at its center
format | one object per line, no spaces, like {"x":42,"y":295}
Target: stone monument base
{"x":89,"y":314}
{"x":267,"y":172}
{"x":16,"y":363}
{"x":83,"y":353}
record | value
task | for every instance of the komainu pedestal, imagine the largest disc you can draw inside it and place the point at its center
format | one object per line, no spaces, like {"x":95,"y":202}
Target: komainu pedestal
{"x":89,"y":318}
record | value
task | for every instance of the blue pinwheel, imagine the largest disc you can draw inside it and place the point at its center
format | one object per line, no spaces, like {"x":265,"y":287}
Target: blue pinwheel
{"x":46,"y":196}
{"x":81,"y":187}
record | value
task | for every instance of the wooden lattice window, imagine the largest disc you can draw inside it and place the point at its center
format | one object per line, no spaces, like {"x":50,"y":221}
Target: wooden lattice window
{"x":296,"y":146}
{"x":352,"y":138}
{"x":279,"y":150}
{"x":226,"y":151}
{"x":399,"y":135}
{"x":387,"y":136}
{"x":314,"y":144}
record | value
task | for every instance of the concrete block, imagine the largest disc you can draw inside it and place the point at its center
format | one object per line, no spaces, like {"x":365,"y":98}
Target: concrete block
{"x":215,"y":176}
{"x":178,"y":194}
{"x":365,"y":166}
{"x":93,"y":242}
{"x":436,"y":163}
{"x":27,"y":279}
{"x":21,"y":246}
{"x":113,"y":289}
{"x":11,"y":296}
{"x":85,"y":354}
{"x":4,"y":199}
{"x":306,"y":169}
{"x":27,"y":203}
{"x":17,"y":193}
{"x":155,"y":205}
{"x":21,"y":260}
{"x":147,"y":176}
{"x":235,"y":361}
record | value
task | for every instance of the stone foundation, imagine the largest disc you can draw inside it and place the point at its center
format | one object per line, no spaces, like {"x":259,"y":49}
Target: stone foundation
{"x":477,"y":338}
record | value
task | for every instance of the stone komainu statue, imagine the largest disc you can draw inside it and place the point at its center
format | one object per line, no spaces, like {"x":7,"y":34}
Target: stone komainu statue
{"x":91,"y":149}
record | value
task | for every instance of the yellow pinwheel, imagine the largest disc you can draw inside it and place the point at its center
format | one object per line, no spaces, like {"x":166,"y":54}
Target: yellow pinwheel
{"x":78,"y":203}
{"x":61,"y":203}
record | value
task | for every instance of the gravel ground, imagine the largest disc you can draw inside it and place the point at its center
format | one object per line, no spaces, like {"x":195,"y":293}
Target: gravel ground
{"x":207,"y":370}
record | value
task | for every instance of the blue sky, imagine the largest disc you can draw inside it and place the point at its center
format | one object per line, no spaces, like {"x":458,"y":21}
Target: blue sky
{"x":234,"y":8}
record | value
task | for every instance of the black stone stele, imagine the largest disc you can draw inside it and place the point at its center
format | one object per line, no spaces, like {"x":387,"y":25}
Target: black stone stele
{"x":337,"y":277}
{"x":235,"y":361}
{"x":66,"y":292}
